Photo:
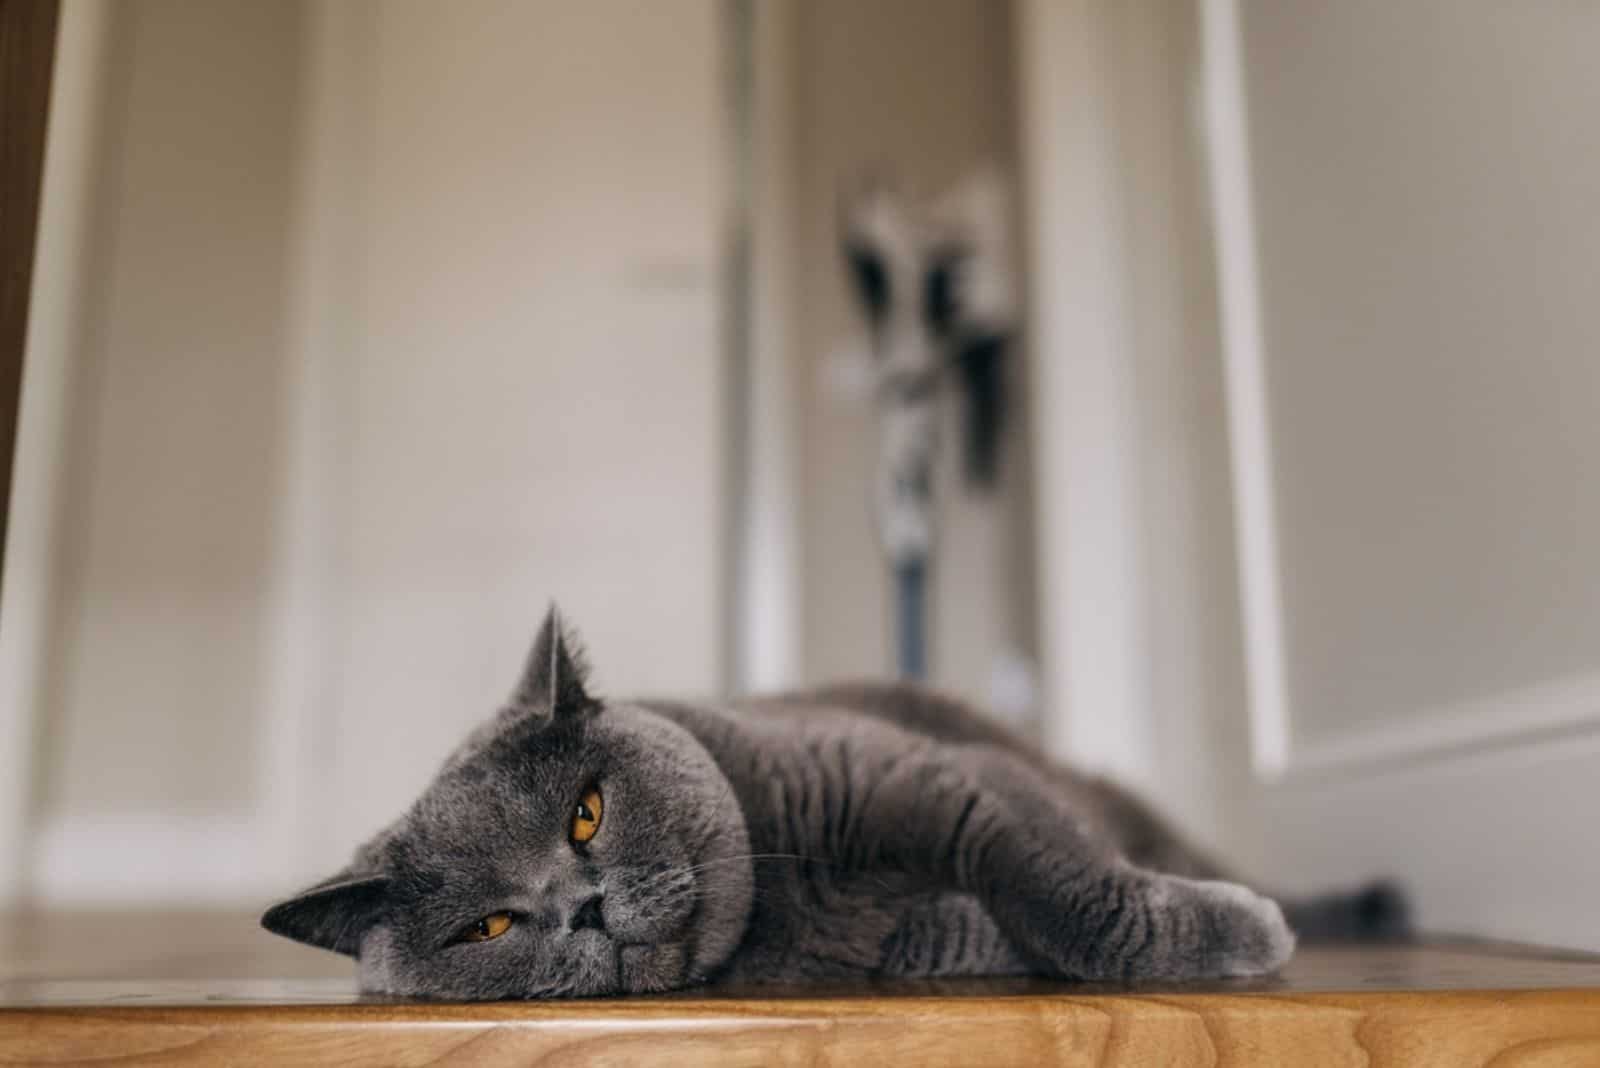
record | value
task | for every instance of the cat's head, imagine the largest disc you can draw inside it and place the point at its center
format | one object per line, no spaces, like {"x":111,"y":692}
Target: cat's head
{"x":570,"y":846}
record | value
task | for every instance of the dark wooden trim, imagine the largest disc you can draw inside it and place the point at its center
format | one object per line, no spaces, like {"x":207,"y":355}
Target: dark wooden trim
{"x":27,"y":57}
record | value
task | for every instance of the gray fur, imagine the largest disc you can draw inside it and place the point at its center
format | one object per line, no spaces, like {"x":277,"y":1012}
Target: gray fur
{"x":844,"y":832}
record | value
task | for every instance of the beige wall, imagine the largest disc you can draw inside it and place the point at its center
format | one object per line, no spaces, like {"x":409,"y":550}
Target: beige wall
{"x":922,"y":92}
{"x":1428,"y":251}
{"x":533,"y":406}
{"x":404,"y":324}
{"x":397,"y":322}
{"x":157,"y":644}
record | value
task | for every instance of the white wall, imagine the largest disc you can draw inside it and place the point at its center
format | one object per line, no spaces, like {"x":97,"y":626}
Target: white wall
{"x":399,"y":321}
{"x":1428,"y":247}
{"x":168,"y":540}
{"x":149,"y":645}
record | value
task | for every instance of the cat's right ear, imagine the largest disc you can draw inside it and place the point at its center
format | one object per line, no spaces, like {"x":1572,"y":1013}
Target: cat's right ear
{"x":331,"y":915}
{"x":555,"y":679}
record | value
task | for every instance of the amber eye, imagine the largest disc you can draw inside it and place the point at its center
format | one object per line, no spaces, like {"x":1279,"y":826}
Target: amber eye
{"x":489,"y":927}
{"x":586,"y":816}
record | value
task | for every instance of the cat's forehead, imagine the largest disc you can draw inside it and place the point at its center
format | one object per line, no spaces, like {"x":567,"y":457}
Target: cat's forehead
{"x":463,"y":816}
{"x":507,"y":747}
{"x":509,"y":772}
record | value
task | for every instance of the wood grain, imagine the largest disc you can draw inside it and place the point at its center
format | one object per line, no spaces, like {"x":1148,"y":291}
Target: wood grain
{"x":27,"y":56}
{"x":1448,"y":1030}
{"x":118,"y":988}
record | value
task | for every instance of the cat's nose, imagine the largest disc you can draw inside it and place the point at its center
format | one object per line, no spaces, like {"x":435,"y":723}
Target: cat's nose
{"x":588,"y":915}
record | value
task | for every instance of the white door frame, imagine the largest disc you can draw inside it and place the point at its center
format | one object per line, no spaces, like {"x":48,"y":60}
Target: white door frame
{"x":1092,"y":635}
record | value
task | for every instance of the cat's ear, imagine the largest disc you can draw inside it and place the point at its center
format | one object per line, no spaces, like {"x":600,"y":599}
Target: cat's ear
{"x":331,"y":915}
{"x":555,"y":678}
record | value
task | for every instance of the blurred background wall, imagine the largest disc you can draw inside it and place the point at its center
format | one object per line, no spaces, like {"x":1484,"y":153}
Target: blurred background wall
{"x":380,"y":345}
{"x":161,"y":379}
{"x":361,"y":330}
{"x":432,"y":335}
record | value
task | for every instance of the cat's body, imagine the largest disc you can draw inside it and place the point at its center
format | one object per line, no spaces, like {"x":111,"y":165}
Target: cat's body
{"x":575,"y":847}
{"x":824,"y":750}
{"x":794,"y":763}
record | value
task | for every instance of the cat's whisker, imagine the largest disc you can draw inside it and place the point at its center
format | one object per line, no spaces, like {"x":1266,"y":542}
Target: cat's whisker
{"x":695,"y":869}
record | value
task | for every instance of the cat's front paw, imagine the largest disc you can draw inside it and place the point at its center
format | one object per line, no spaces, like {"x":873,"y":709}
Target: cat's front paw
{"x":1249,"y":935}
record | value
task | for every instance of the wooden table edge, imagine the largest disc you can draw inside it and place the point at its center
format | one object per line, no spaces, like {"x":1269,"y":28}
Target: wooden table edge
{"x":1422,"y":1028}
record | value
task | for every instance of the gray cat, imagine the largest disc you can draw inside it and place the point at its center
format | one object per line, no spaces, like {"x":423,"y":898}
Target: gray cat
{"x":574,"y":846}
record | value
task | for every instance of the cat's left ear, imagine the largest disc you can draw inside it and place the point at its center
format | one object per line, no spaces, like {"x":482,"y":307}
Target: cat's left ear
{"x":555,"y":679}
{"x":334,"y":914}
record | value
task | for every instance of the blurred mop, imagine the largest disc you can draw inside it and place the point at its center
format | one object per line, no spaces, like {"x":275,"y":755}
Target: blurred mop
{"x":936,"y":283}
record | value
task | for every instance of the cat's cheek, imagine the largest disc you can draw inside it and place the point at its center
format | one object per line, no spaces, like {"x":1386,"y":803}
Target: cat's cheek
{"x":651,"y":969}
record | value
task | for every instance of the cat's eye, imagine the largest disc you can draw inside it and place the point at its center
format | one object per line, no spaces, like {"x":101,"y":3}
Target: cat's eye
{"x":492,"y":926}
{"x":586,"y":815}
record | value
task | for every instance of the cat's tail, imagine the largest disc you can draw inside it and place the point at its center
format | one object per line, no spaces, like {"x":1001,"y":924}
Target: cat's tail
{"x":1376,"y":912}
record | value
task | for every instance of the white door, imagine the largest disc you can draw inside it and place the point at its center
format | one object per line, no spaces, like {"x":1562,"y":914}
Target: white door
{"x":1410,"y":264}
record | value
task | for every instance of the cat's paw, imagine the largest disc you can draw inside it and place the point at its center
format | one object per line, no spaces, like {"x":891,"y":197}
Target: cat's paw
{"x":1249,"y":935}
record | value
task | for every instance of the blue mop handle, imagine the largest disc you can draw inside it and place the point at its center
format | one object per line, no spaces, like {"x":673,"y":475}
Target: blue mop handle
{"x":911,"y":599}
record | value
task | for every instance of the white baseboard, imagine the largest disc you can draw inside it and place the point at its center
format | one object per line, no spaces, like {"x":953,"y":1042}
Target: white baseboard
{"x":1561,"y":706}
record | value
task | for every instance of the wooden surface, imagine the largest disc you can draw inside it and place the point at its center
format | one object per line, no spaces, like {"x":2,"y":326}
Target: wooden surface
{"x":211,"y":988}
{"x":27,"y":55}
